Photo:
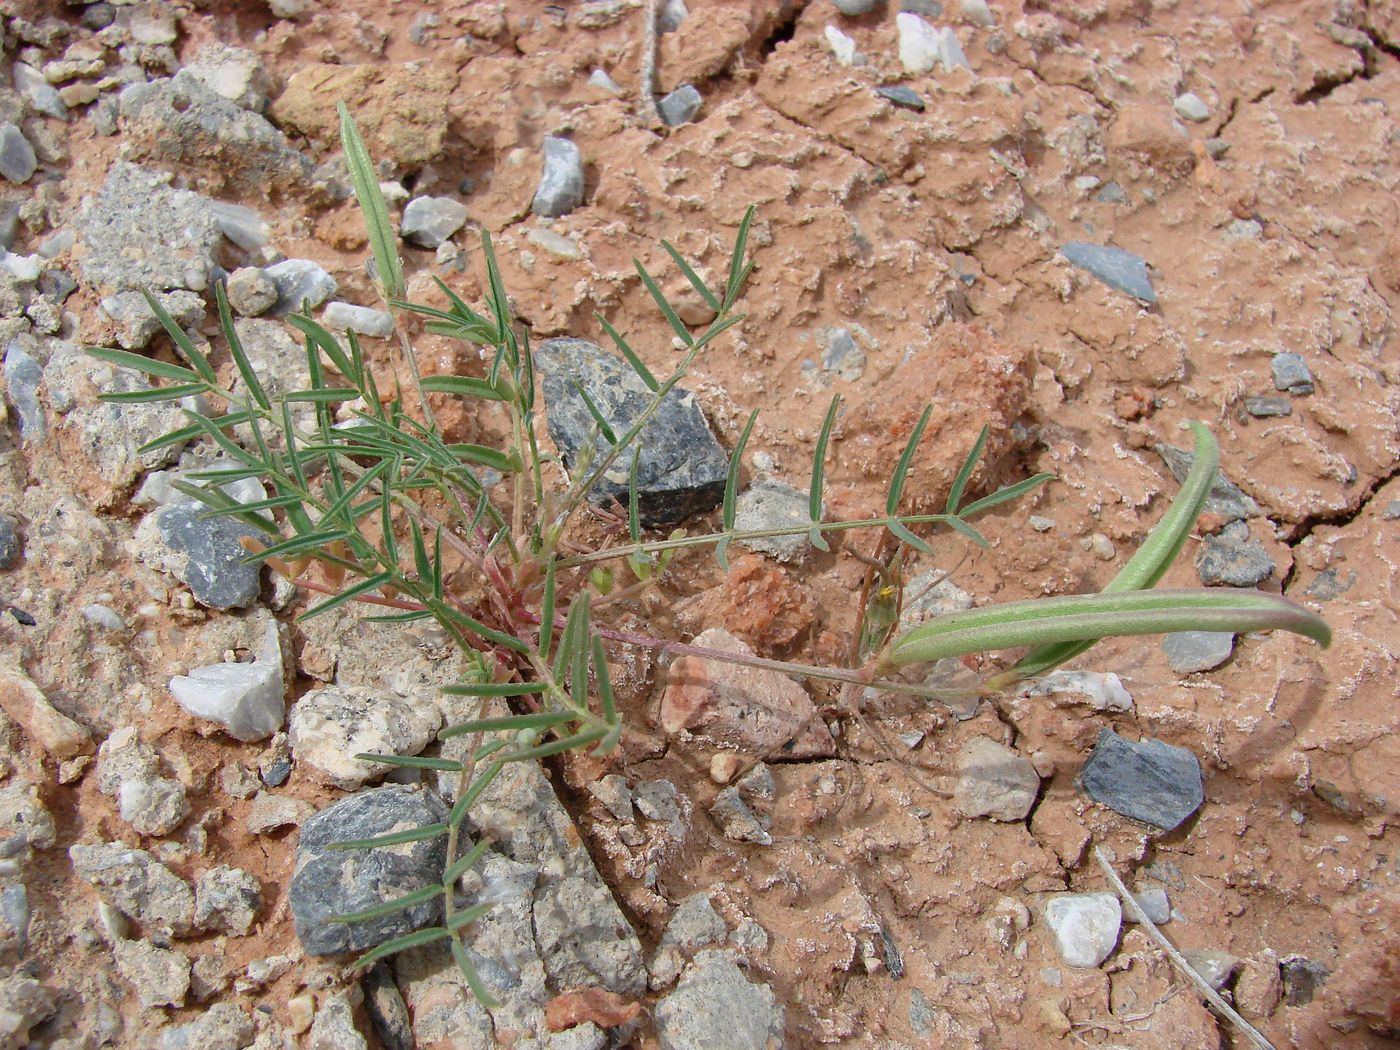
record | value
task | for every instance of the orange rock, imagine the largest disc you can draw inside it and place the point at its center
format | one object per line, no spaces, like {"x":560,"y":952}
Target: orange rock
{"x":604,"y":1008}
{"x":764,"y":606}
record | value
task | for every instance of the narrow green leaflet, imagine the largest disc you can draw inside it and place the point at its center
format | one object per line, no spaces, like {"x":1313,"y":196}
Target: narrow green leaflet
{"x":632,"y":359}
{"x":547,"y":609}
{"x":814,"y":495}
{"x":1005,"y":494}
{"x":347,"y":595}
{"x":692,"y":276}
{"x":182,"y":341}
{"x":555,"y":747}
{"x":366,"y":182}
{"x":408,"y":900}
{"x":412,"y":761}
{"x":494,"y":688}
{"x":463,"y":386}
{"x":599,"y":419}
{"x":155,"y":394}
{"x":606,"y":698}
{"x":464,"y":863}
{"x":902,"y":532}
{"x":469,"y":974}
{"x":739,"y":270}
{"x":955,"y":494}
{"x":906,"y":460}
{"x":149,"y":365}
{"x":398,"y":944}
{"x":510,"y":723}
{"x":397,"y":838}
{"x":677,"y":325}
{"x":235,"y":348}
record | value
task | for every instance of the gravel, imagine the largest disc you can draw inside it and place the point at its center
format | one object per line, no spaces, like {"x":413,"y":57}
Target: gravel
{"x":137,"y":323}
{"x":362,"y":320}
{"x":131,"y":771}
{"x":770,"y":504}
{"x":137,"y":885}
{"x":1192,"y":651}
{"x":242,"y":226}
{"x":10,"y":545}
{"x":1226,"y":500}
{"x":695,"y":924}
{"x":429,"y":221}
{"x":1084,"y":927}
{"x":159,"y":976}
{"x":17,"y":160}
{"x":921,"y":46}
{"x":227,"y":900}
{"x":232,"y":73}
{"x":209,"y":556}
{"x":561,"y":183}
{"x":1291,"y":374}
{"x":1189,"y":106}
{"x":1150,"y":781}
{"x":1231,"y":558}
{"x":300,"y":282}
{"x":329,"y":727}
{"x":251,"y":291}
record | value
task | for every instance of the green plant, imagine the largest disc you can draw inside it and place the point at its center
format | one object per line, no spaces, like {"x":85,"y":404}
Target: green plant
{"x":389,"y":511}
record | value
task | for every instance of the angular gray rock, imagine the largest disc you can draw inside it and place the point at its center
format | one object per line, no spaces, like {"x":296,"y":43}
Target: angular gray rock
{"x":329,"y":882}
{"x":9,"y":541}
{"x":329,"y":727}
{"x":231,"y":73}
{"x":23,"y":376}
{"x":159,"y":976}
{"x":226,"y":900}
{"x":681,"y":468}
{"x":1192,"y":651}
{"x":137,"y":885}
{"x":1226,"y":500}
{"x":137,"y":323}
{"x":242,"y":226}
{"x":1231,"y":558}
{"x":362,"y":320}
{"x":428,"y":221}
{"x":561,"y":183}
{"x":994,"y":781}
{"x":42,"y":95}
{"x":680,"y":106}
{"x":213,"y":566}
{"x":17,"y":160}
{"x":1119,"y":269}
{"x":715,"y":1007}
{"x":903,"y":97}
{"x":299,"y":281}
{"x":769,"y":504}
{"x":1189,"y":106}
{"x":130,"y":770}
{"x":855,"y":8}
{"x":222,"y":1027}
{"x":1148,"y":780}
{"x":1291,"y":374}
{"x":248,"y":700}
{"x":695,"y":924}
{"x":251,"y":291}
{"x":1268,"y":407}
{"x":1084,"y":926}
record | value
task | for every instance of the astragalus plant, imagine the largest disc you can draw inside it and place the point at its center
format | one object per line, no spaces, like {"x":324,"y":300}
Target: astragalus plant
{"x":368,"y":502}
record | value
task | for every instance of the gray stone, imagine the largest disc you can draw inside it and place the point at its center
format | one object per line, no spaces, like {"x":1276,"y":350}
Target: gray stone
{"x":17,"y":160}
{"x":1301,"y":979}
{"x":599,"y":79}
{"x":1119,"y":269}
{"x":927,"y":8}
{"x":734,"y":818}
{"x":1084,"y":927}
{"x":1191,"y":651}
{"x":386,"y":1008}
{"x":842,"y":46}
{"x":1111,"y":193}
{"x":554,"y":243}
{"x":1329,"y":584}
{"x":27,"y":1003}
{"x":1391,"y":511}
{"x":248,"y":700}
{"x":682,"y":470}
{"x":1217,"y":148}
{"x":1244,"y":230}
{"x":1154,"y":905}
{"x":231,"y":73}
{"x":23,"y":376}
{"x":1215,"y":966}
{"x":137,"y":885}
{"x":855,"y":8}
{"x":329,"y":727}
{"x":271,"y":812}
{"x":1190,"y":107}
{"x":612,"y":791}
{"x":251,"y":291}
{"x":561,"y":183}
{"x":428,"y":221}
{"x":1150,"y":781}
{"x":670,"y":16}
{"x":160,"y":976}
{"x":1104,"y":692}
{"x":130,"y":770}
{"x":139,"y":233}
{"x":716,"y":1008}
{"x":1268,"y":407}
{"x":1226,"y":500}
{"x":226,"y":900}
{"x":902,"y":97}
{"x":362,"y":320}
{"x":1291,"y":374}
{"x":10,"y":545}
{"x":769,"y":504}
{"x":137,"y":323}
{"x":300,"y":282}
{"x":212,"y":566}
{"x":994,"y":781}
{"x":24,"y":819}
{"x":1227,"y":559}
{"x":330,"y":882}
{"x":14,"y":918}
{"x":243,"y":226}
{"x":978,"y":13}
{"x":42,"y":95}
{"x":222,"y":1027}
{"x":922,"y":46}
{"x":181,"y":121}
{"x":695,"y":924}
{"x":680,"y":106}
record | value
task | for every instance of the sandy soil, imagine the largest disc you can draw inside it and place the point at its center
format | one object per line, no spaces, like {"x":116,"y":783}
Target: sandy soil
{"x":933,"y":236}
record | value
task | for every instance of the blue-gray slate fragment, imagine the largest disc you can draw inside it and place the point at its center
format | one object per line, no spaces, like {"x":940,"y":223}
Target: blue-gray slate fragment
{"x":1192,"y":651}
{"x":23,"y":375}
{"x":902,"y":96}
{"x":1268,"y":407}
{"x":680,"y":106}
{"x":330,"y":882}
{"x":1149,"y":781}
{"x":214,"y":571}
{"x":1225,"y":499}
{"x":561,"y":183}
{"x":1291,"y":373}
{"x":1115,"y":267}
{"x":9,"y":541}
{"x":681,"y":468}
{"x":1231,"y":558}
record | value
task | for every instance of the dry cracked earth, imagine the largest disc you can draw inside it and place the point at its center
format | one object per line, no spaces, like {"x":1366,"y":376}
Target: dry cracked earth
{"x":925,"y":247}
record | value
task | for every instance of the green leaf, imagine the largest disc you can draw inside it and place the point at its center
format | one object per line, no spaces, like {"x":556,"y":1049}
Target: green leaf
{"x":575,"y":634}
{"x":235,"y":348}
{"x":731,"y":483}
{"x":677,"y":325}
{"x":364,"y":481}
{"x":902,"y":532}
{"x":632,"y":359}
{"x":469,"y":974}
{"x":408,"y":900}
{"x":412,"y":761}
{"x":554,"y":747}
{"x":467,"y":916}
{"x":692,"y":277}
{"x":1089,"y":617}
{"x":1005,"y":494}
{"x":817,"y":540}
{"x":464,"y":863}
{"x":510,"y":723}
{"x":814,"y":497}
{"x":605,"y":690}
{"x":398,"y":944}
{"x":494,"y":688}
{"x":182,"y":341}
{"x":320,"y":340}
{"x":468,"y":797}
{"x":906,"y":460}
{"x":603,"y":427}
{"x":331,"y":394}
{"x":305,"y":543}
{"x":547,"y":609}
{"x":634,"y":517}
{"x":463,"y":386}
{"x":478,"y":628}
{"x":366,"y":183}
{"x":486,"y":457}
{"x":403,"y":617}
{"x":958,"y":525}
{"x":395,"y":838}
{"x":955,"y":494}
{"x":271,"y":503}
{"x":347,"y":595}
{"x":739,"y":270}
{"x":149,"y":365}
{"x":214,"y":434}
{"x":722,"y":552}
{"x":160,"y":393}
{"x":189,"y":433}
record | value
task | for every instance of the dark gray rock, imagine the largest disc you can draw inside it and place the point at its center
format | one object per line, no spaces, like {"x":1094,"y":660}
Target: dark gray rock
{"x":429,"y":221}
{"x":1301,"y":979}
{"x":715,"y":1007}
{"x":1217,"y":148}
{"x":1231,"y":559}
{"x":855,"y":8}
{"x":387,"y":1009}
{"x":9,"y":541}
{"x":680,"y":106}
{"x":681,"y":468}
{"x":213,"y":572}
{"x":23,"y":376}
{"x":1291,"y":374}
{"x":1268,"y":407}
{"x":1119,"y":269}
{"x":561,"y":183}
{"x":1148,"y":780}
{"x":17,"y":160}
{"x":1330,"y":584}
{"x":299,"y":281}
{"x":330,"y":882}
{"x":1111,"y":193}
{"x":902,"y":97}
{"x":1191,"y":651}
{"x":1225,"y":500}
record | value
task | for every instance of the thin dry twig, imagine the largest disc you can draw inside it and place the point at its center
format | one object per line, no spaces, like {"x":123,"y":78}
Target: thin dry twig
{"x":1178,"y":960}
{"x":647,"y":87}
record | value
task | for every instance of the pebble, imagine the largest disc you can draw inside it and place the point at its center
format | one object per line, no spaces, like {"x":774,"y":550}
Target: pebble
{"x":1291,"y":374}
{"x":1215,"y":966}
{"x":855,"y":8}
{"x":232,"y":73}
{"x":14,"y":918}
{"x":226,"y":900}
{"x":1244,"y":230}
{"x":213,"y":566}
{"x":670,"y":16}
{"x":1190,"y":107}
{"x":25,"y":703}
{"x":1119,"y":269}
{"x":42,"y":95}
{"x":694,"y":924}
{"x":902,"y":97}
{"x":1260,"y":986}
{"x":921,"y":46}
{"x":428,"y":221}
{"x":1217,"y":148}
{"x":270,"y":812}
{"x":222,"y":1027}
{"x":1149,"y":781}
{"x":243,"y":226}
{"x":160,"y":976}
{"x":1154,"y":905}
{"x":248,"y":700}
{"x":554,"y":243}
{"x":137,"y":885}
{"x":1232,"y":559}
{"x":1111,"y":193}
{"x":250,"y":291}
{"x":1301,"y":979}
{"x":561,"y":183}
{"x":842,"y":46}
{"x":328,"y":727}
{"x":1084,"y":927}
{"x":385,"y":1005}
{"x":27,"y":1003}
{"x":300,"y":281}
{"x":363,"y":320}
{"x":103,"y":617}
{"x":770,"y":504}
{"x":1391,"y":511}
{"x":1268,"y":407}
{"x":680,"y":106}
{"x":994,"y":781}
{"x":130,"y":770}
{"x":978,"y":13}
{"x":682,"y":469}
{"x":328,"y":882}
{"x":23,"y":376}
{"x":928,"y":8}
{"x":9,"y":541}
{"x":736,"y":820}
{"x":612,"y":791}
{"x":714,"y":1007}
{"x":1192,"y":651}
{"x":17,"y":160}
{"x":1104,"y":691}
{"x":334,"y":1026}
{"x":1226,"y":500}
{"x":599,"y":79}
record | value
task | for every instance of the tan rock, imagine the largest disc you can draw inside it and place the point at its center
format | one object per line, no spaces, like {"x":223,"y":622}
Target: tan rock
{"x":48,"y":727}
